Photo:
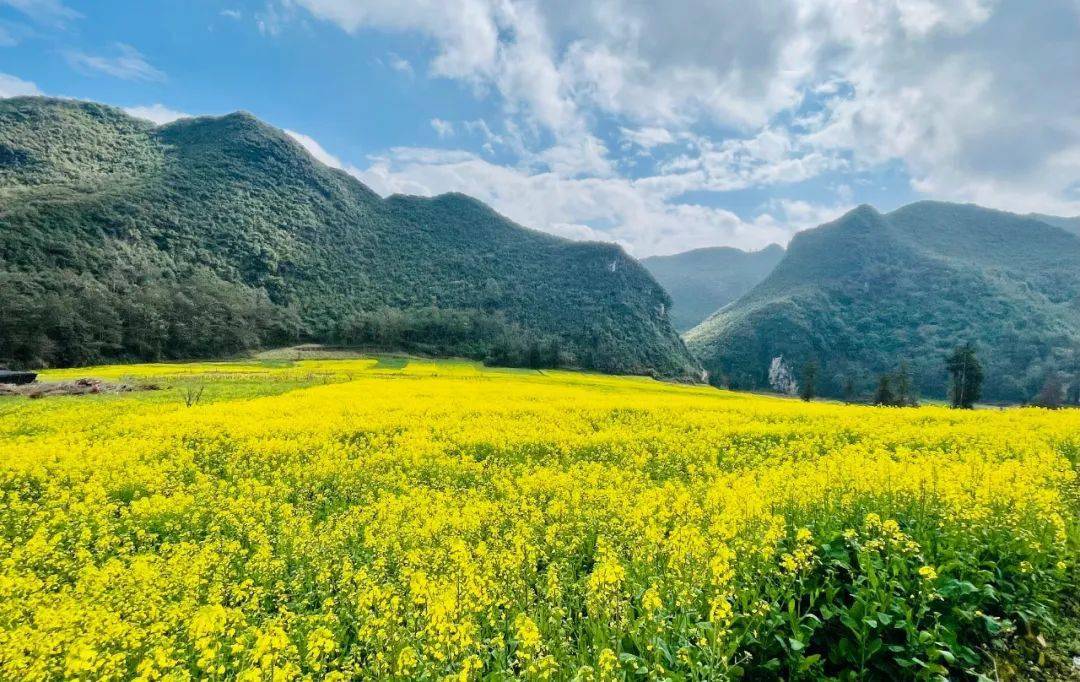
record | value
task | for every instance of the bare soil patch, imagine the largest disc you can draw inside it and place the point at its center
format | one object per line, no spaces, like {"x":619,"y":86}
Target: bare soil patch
{"x":45,"y":389}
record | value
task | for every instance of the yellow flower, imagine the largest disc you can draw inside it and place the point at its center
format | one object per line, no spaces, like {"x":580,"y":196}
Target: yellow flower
{"x":449,"y":520}
{"x":650,"y":600}
{"x":608,"y":663}
{"x":528,"y":637}
{"x":720,"y":609}
{"x":407,"y":661}
{"x":320,"y":644}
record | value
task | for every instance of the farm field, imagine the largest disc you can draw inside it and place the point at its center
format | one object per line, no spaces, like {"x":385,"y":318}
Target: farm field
{"x":410,"y":519}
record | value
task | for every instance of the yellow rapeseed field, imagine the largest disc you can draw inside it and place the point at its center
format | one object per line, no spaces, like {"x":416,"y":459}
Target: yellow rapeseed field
{"x":433,"y":520}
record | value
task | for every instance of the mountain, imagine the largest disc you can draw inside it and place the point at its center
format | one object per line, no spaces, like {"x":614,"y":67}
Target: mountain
{"x":207,"y":236}
{"x":1067,"y":224}
{"x":704,"y":280}
{"x":863,"y":293}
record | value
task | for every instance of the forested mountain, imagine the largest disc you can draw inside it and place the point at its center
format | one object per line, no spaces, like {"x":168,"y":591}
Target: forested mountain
{"x":861,"y":294}
{"x":207,"y":236}
{"x":704,"y":280}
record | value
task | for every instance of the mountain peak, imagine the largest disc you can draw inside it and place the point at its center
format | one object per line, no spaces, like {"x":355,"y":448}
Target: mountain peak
{"x":867,"y":291}
{"x":863,"y":214}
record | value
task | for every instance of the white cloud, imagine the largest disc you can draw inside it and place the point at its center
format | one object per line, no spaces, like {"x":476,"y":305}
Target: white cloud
{"x":975,"y":99}
{"x":400,"y":64}
{"x":920,"y":17}
{"x":319,"y":152}
{"x":156,"y":113}
{"x":581,"y":155}
{"x":772,"y":157}
{"x":315,"y":149}
{"x":986,"y":118}
{"x":44,"y":11}
{"x":231,"y":13}
{"x":12,"y":86}
{"x":269,"y":21}
{"x":442,"y":128}
{"x":127,"y":64}
{"x":647,"y":137}
{"x":636,"y":214}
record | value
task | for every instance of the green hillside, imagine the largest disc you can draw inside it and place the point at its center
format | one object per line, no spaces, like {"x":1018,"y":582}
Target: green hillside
{"x":704,"y":280}
{"x":210,"y":236}
{"x":867,"y":291}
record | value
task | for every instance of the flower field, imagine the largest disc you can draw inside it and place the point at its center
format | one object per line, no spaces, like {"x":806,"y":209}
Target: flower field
{"x":431,"y":520}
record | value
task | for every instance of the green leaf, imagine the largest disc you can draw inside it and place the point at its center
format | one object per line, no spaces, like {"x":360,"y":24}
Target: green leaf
{"x":809,"y":662}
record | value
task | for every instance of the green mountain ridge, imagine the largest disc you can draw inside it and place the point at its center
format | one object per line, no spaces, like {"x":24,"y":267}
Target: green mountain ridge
{"x":702,"y":281}
{"x":865,"y":292}
{"x":210,"y":235}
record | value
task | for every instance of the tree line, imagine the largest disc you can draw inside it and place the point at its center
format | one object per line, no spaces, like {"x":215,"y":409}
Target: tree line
{"x":966,"y":376}
{"x":465,"y":332}
{"x":69,"y":319}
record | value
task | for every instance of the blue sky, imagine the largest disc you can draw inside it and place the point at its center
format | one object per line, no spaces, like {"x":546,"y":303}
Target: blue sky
{"x":661,"y":128}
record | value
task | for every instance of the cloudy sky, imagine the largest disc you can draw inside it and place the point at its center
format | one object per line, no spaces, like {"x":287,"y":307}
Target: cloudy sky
{"x":663,"y":126}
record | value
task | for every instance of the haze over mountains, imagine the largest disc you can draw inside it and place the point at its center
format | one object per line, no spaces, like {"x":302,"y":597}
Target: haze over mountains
{"x":863,"y":293}
{"x":704,"y":280}
{"x":208,"y":236}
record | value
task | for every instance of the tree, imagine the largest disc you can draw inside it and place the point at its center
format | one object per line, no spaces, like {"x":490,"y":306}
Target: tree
{"x":967,"y":376}
{"x":905,"y":393}
{"x":849,"y":389}
{"x":884,"y":394}
{"x":1072,"y":389}
{"x":809,"y":377}
{"x":1051,"y":393}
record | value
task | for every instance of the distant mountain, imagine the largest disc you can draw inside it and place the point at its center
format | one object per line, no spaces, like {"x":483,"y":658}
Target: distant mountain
{"x":1067,"y":224}
{"x":704,"y":280}
{"x":119,"y":239}
{"x":867,"y":291}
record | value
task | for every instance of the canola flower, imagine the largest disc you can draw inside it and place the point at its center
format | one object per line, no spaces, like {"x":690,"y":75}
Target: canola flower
{"x":438,"y":520}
